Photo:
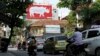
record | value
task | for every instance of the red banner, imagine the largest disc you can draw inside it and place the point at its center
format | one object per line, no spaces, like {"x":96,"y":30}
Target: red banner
{"x":39,"y":12}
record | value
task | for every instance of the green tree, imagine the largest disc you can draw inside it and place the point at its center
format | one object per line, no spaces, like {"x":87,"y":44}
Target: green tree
{"x":10,"y":11}
{"x":90,"y":14}
{"x":77,"y":6}
{"x":73,"y":4}
{"x":88,"y":11}
{"x":71,"y":18}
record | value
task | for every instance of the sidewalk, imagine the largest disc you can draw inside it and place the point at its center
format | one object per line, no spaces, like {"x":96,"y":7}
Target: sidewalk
{"x":12,"y":49}
{"x":6,"y":54}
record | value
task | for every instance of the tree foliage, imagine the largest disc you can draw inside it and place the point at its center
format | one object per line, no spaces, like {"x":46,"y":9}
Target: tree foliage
{"x":72,"y":23}
{"x":10,"y":11}
{"x":72,"y":18}
{"x":89,"y":14}
{"x":73,"y":4}
{"x":86,"y":9}
{"x":13,"y":9}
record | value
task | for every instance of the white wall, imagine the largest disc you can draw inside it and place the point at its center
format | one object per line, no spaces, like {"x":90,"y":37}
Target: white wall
{"x":55,"y":14}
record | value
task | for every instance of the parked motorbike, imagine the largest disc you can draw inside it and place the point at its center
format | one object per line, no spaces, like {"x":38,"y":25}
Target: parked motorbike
{"x":79,"y":51}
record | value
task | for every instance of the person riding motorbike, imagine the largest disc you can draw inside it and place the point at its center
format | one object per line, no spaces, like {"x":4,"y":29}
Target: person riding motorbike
{"x":19,"y":46}
{"x":75,"y":42}
{"x":24,"y":45}
{"x":31,"y":47}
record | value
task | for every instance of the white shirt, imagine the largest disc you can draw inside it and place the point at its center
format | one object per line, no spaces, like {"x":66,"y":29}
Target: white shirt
{"x":77,"y":38}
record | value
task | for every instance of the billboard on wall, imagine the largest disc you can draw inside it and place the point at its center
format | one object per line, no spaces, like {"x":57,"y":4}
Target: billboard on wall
{"x":52,"y":29}
{"x":39,"y":11}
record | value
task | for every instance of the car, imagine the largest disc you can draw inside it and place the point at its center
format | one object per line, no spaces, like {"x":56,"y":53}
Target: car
{"x":55,"y":44}
{"x":92,"y":37}
{"x":39,"y":42}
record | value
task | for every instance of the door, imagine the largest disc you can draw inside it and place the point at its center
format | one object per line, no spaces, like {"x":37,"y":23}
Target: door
{"x":90,"y":35}
{"x":90,"y":38}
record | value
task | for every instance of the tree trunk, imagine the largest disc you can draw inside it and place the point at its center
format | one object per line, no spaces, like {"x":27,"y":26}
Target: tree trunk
{"x":86,"y":25}
{"x":11,"y":34}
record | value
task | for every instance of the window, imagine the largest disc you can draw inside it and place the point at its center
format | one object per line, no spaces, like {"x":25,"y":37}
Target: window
{"x":55,"y":11}
{"x":46,"y":41}
{"x":84,"y":34}
{"x":61,"y":38}
{"x":93,"y":34}
{"x":51,"y":39}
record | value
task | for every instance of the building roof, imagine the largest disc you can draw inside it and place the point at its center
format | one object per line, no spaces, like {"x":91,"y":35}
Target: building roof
{"x":64,"y":18}
{"x":49,"y":22}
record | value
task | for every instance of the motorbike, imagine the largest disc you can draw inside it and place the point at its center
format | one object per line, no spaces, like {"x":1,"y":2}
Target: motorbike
{"x":31,"y":51}
{"x":77,"y":51}
{"x":19,"y":46}
{"x":24,"y":48}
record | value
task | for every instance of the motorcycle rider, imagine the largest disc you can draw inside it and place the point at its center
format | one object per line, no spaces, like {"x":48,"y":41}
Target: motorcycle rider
{"x":24,"y":45}
{"x":19,"y":46}
{"x":76,"y":40}
{"x":32,"y":46}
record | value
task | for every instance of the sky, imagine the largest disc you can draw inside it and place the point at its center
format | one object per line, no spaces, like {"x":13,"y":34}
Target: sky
{"x":62,"y":12}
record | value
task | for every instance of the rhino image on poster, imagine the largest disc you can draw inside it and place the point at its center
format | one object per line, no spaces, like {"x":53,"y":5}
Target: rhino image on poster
{"x":39,"y":12}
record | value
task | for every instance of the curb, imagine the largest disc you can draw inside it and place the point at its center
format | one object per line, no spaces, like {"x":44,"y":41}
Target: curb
{"x":6,"y":54}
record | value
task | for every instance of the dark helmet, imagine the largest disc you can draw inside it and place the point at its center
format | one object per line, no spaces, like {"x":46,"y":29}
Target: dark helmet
{"x":32,"y":37}
{"x":77,"y":29}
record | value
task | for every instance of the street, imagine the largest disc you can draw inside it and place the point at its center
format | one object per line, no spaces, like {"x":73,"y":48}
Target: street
{"x":24,"y":53}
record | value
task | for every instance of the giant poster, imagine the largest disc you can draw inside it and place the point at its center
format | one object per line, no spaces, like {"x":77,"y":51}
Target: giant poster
{"x":39,"y":11}
{"x":52,"y":29}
